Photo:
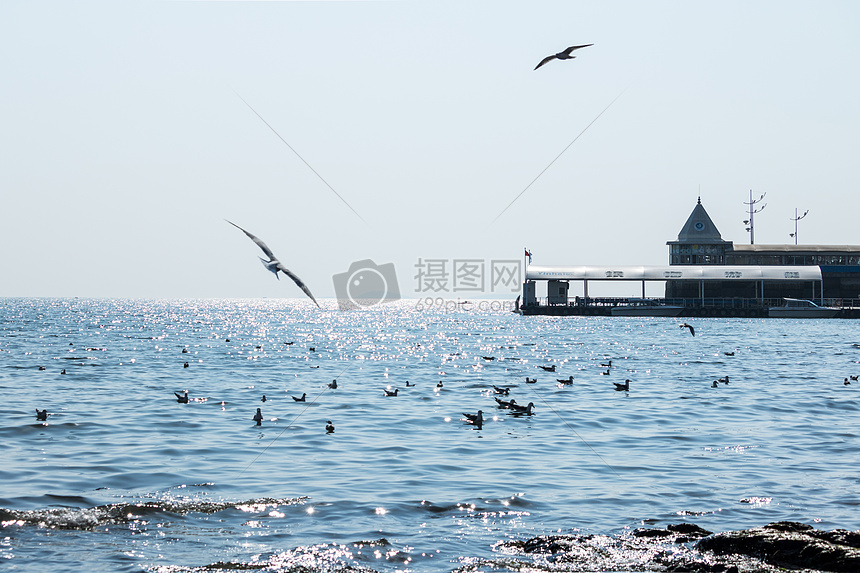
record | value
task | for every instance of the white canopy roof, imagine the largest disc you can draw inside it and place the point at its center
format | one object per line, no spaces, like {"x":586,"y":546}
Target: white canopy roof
{"x":676,"y":272}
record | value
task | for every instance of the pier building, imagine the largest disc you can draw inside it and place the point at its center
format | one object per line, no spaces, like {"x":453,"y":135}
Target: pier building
{"x":711,"y":276}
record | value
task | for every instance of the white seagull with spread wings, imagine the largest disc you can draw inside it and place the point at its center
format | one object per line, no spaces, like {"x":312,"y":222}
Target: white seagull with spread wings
{"x":274,"y":265}
{"x":563,"y":55}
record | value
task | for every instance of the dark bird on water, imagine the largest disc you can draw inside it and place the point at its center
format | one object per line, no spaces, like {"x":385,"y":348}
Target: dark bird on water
{"x":390,"y":392}
{"x":41,"y":415}
{"x":476,"y":419}
{"x":408,"y":384}
{"x":729,"y":353}
{"x":499,"y":390}
{"x":439,"y":385}
{"x":263,"y":399}
{"x":258,"y":417}
{"x":505,"y":403}
{"x":185,"y":365}
{"x":606,"y":365}
{"x":517,"y":409}
{"x":329,"y":427}
{"x":846,"y":383}
{"x":854,"y":377}
{"x":548,"y":368}
{"x":488,"y":357}
{"x":562,"y":55}
{"x":724,"y":379}
{"x":333,"y":384}
{"x":565,"y":382}
{"x":182,"y":398}
{"x":685,"y":325}
{"x":42,"y":368}
{"x":622,"y":387}
{"x":530,"y":380}
{"x":274,"y":265}
{"x":302,"y":399}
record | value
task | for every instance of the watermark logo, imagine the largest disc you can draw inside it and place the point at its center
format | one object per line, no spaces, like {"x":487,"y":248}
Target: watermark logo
{"x":366,"y":284}
{"x":468,"y":275}
{"x":448,"y":306}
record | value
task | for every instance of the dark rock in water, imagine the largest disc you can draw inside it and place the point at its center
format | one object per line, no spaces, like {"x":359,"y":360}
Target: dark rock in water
{"x":690,"y":529}
{"x":790,"y":544}
{"x":551,"y":544}
{"x":699,"y":567}
{"x":681,"y":532}
{"x":687,"y":548}
{"x":642,"y":532}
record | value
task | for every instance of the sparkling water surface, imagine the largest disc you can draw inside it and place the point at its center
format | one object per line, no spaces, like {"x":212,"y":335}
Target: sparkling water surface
{"x":122,"y":477}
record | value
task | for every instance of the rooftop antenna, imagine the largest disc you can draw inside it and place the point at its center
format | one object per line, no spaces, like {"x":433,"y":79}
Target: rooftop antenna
{"x":749,"y":222}
{"x":796,"y":219}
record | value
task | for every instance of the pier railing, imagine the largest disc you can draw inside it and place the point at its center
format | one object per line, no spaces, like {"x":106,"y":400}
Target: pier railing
{"x":717,"y":303}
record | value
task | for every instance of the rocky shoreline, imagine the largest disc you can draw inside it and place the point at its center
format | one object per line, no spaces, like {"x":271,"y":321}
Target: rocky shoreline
{"x":687,"y":548}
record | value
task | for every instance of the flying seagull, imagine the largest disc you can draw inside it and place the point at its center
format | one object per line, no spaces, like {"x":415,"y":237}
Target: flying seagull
{"x":562,"y":55}
{"x":274,"y":265}
{"x":685,"y":325}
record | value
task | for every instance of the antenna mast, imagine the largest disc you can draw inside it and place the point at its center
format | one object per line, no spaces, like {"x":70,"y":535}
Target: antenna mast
{"x":749,"y":222}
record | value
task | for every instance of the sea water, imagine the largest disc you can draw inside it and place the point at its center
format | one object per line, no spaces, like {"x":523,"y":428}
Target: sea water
{"x":123,"y":477}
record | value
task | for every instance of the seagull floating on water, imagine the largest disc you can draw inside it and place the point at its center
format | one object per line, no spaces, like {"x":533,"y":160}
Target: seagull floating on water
{"x":333,"y":384}
{"x":530,"y":380}
{"x":302,"y":399}
{"x":685,"y":325}
{"x":498,"y":390}
{"x":505,"y":403}
{"x":476,"y":419}
{"x":606,"y":365}
{"x":390,"y":392}
{"x":274,"y":265}
{"x":565,"y":382}
{"x":548,"y":368}
{"x":562,"y":55}
{"x":622,"y":387}
{"x":258,"y":417}
{"x":517,"y":409}
{"x":182,"y":398}
{"x":41,"y":415}
{"x":263,"y":399}
{"x":329,"y":427}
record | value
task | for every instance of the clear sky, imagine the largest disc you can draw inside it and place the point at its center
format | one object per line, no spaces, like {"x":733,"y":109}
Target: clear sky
{"x":125,"y":143}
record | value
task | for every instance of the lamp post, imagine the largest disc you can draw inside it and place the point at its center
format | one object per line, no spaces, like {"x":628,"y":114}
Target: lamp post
{"x":753,"y":211}
{"x":796,"y":219}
